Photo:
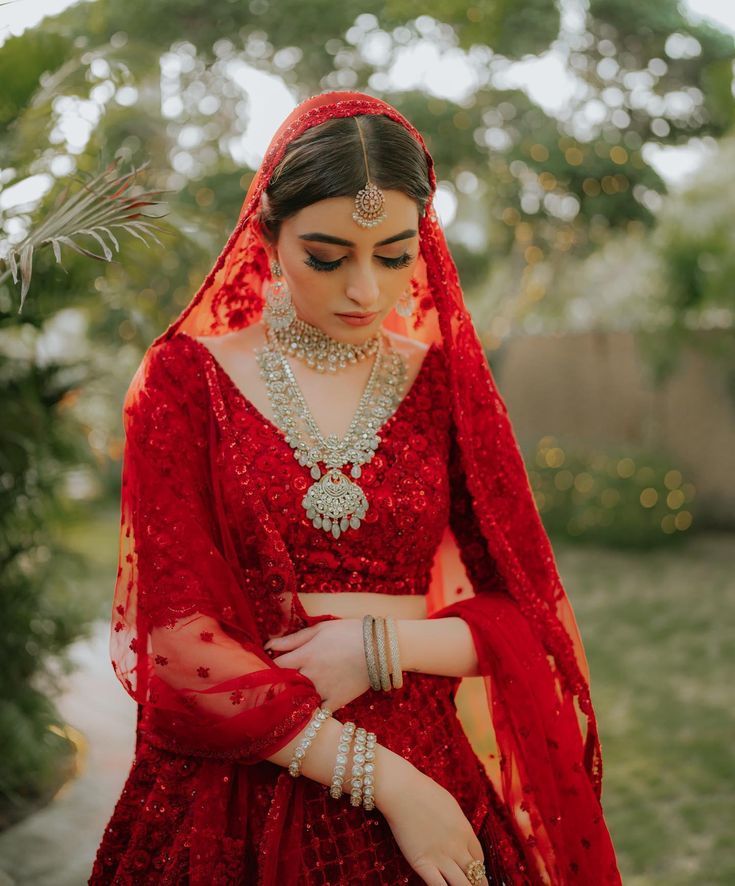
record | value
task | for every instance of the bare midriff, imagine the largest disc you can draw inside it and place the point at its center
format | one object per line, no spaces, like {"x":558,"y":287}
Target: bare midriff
{"x":354,"y":604}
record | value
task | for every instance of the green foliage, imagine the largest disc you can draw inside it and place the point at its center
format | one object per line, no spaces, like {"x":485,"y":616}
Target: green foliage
{"x":641,"y":31}
{"x":23,"y":60}
{"x":513,"y":29}
{"x":696,"y":238}
{"x":101,"y":204}
{"x":624,"y":496}
{"x":40,"y":608}
{"x":544,"y":189}
{"x":37,"y":755}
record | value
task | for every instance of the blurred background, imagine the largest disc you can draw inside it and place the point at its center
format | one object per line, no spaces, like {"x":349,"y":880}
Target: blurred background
{"x":586,"y":156}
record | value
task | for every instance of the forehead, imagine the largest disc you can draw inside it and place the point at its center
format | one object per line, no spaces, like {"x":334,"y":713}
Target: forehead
{"x":334,"y":215}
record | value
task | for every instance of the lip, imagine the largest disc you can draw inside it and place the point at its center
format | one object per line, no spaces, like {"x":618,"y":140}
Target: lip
{"x":359,"y":316}
{"x":358,"y":319}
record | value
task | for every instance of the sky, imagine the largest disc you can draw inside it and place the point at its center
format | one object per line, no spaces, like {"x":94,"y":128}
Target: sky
{"x":544,"y":79}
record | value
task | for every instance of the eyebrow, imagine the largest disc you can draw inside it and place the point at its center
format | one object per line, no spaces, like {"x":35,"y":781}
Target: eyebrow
{"x":339,"y":241}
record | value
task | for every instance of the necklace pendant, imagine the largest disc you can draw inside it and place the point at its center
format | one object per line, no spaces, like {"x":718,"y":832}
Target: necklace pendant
{"x":334,"y":503}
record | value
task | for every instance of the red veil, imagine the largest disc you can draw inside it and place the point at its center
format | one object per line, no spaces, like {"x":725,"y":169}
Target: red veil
{"x":181,"y":587}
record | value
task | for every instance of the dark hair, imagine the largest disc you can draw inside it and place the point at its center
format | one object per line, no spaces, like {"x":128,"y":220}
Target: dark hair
{"x":327,"y":160}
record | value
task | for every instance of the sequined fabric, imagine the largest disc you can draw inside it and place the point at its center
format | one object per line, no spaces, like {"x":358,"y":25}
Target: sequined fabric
{"x":162,"y":812}
{"x":406,"y":484}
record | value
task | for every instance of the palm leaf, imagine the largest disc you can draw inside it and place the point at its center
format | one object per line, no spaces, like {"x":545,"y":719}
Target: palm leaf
{"x":104,"y":201}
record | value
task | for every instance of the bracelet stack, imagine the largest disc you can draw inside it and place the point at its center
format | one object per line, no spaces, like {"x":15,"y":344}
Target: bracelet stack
{"x":374,"y":631}
{"x":363,"y":760}
{"x":380,"y":641}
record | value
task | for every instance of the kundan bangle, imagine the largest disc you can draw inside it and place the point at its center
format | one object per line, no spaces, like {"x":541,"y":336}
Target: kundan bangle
{"x":395,"y":660}
{"x":382,"y":657}
{"x":367,"y":642}
{"x":368,"y":779}
{"x":363,"y":769}
{"x":320,"y":715}
{"x":340,"y":766}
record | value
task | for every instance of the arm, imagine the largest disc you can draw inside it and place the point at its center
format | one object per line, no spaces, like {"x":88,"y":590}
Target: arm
{"x":205,"y":684}
{"x":441,"y":646}
{"x":393,"y":773}
{"x":444,"y":644}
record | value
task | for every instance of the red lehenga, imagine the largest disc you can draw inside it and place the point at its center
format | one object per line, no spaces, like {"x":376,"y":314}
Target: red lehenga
{"x":215,"y":548}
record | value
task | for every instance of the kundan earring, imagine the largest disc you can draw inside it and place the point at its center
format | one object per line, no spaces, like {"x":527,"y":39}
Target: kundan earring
{"x":404,"y":305}
{"x":278,"y":311}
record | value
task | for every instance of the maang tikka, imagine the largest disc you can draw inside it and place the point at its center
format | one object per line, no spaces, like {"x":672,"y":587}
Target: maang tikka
{"x":370,"y":201}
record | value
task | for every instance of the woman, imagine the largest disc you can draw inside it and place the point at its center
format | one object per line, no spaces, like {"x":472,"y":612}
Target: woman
{"x":291,"y":473}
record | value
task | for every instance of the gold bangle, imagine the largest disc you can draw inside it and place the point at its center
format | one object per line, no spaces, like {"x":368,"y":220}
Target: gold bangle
{"x":395,"y":660}
{"x":382,"y":658}
{"x":367,"y":639}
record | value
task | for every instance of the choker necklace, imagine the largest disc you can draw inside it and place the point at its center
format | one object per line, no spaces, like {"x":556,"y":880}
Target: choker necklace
{"x":319,"y":350}
{"x":334,"y":503}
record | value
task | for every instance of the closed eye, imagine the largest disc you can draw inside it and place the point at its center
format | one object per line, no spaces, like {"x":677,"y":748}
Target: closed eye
{"x":401,"y":262}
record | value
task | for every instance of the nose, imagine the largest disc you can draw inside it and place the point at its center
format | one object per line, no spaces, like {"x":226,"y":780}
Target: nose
{"x":363,"y":289}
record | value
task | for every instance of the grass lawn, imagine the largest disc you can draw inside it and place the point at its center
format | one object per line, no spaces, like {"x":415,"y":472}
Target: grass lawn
{"x":658,"y":634}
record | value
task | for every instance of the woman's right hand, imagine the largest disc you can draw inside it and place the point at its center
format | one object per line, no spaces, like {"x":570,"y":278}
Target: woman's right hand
{"x":432,"y":832}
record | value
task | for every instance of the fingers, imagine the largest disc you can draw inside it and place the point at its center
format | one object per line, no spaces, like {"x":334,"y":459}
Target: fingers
{"x":291,"y":641}
{"x":453,"y":873}
{"x":429,"y":873}
{"x":476,"y":852}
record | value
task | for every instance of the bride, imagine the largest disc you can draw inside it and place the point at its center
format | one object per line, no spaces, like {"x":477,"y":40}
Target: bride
{"x":326,"y":525}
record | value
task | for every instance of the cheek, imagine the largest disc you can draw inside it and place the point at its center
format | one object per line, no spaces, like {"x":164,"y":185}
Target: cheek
{"x":309,"y":287}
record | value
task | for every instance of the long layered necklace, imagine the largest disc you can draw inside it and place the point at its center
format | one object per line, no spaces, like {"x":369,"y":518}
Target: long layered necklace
{"x":334,"y":503}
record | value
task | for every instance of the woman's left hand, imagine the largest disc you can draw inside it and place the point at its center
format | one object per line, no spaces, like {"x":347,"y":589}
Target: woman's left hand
{"x":331,"y":655}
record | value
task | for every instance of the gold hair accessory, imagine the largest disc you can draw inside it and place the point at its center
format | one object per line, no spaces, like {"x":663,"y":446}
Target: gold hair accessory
{"x":370,"y":201}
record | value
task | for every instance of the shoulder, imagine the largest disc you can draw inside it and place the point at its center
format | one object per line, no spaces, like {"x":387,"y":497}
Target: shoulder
{"x":414,"y":351}
{"x":408,"y":346}
{"x":168,"y":380}
{"x":235,"y":348}
{"x":249,"y":336}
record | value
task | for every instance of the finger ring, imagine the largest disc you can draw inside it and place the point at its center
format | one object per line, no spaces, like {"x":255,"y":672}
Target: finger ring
{"x":475,"y":871}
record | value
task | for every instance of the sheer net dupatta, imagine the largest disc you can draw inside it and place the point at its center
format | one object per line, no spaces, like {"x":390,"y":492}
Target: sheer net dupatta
{"x":546,"y":773}
{"x":184,"y":642}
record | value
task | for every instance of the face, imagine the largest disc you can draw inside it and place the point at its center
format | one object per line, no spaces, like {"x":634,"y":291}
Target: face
{"x":332,"y":265}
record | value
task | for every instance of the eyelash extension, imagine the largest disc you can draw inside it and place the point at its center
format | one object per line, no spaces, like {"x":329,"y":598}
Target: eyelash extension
{"x":313,"y":262}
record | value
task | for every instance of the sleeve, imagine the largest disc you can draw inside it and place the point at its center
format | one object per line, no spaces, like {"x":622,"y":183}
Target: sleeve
{"x":183,"y":644}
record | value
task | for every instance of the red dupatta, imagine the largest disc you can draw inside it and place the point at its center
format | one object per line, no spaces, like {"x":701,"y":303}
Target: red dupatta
{"x":181,"y":587}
